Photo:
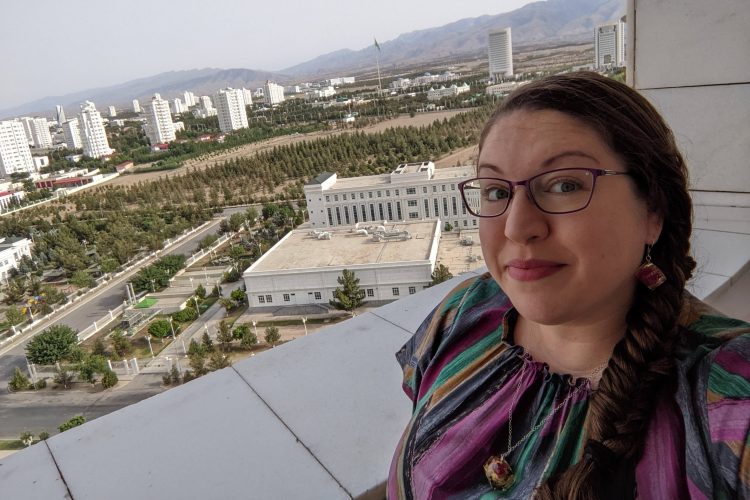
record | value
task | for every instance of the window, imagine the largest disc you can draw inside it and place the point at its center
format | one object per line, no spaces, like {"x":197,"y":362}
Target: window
{"x":269,"y":299}
{"x":412,"y":290}
{"x":426,"y":207}
{"x":261,"y":299}
{"x":395,"y":291}
{"x":387,"y":192}
{"x":328,"y":198}
{"x":361,"y":196}
{"x":390,"y":211}
{"x":414,"y":215}
{"x":346,"y":213}
{"x":412,"y":203}
{"x":338,"y":215}
{"x":424,"y":189}
{"x":318,"y":296}
{"x":473,"y":222}
{"x":380,"y":208}
{"x":398,"y":210}
{"x":455,"y":208}
{"x":336,"y":197}
{"x":364,"y":213}
{"x":369,"y":195}
{"x":434,"y":189}
{"x":445,"y":208}
{"x":379,"y":194}
{"x":397,"y":192}
{"x":333,"y":294}
{"x":442,"y":187}
{"x":437,"y":210}
{"x":330,"y":217}
{"x":354,"y":213}
{"x":453,"y":187}
{"x":372,"y":212}
{"x":287,"y":298}
{"x":464,"y":222}
{"x":344,"y":196}
{"x":370,"y":292}
{"x":411,"y":190}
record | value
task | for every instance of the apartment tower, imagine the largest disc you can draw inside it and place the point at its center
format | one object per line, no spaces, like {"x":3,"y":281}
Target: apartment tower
{"x":15,"y":155}
{"x":159,"y":127}
{"x":609,"y":45}
{"x":93,"y":135}
{"x":500,"y":51}
{"x":230,"y":105}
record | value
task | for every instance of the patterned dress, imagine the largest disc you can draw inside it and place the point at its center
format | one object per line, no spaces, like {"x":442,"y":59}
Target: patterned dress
{"x":461,"y":371}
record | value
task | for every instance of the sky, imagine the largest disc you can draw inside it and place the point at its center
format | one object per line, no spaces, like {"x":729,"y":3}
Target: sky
{"x":54,"y":47}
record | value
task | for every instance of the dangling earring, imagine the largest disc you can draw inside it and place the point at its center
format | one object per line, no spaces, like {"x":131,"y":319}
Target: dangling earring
{"x":649,"y":273}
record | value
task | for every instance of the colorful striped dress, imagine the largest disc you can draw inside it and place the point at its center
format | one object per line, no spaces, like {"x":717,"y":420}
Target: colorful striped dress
{"x":461,"y":371}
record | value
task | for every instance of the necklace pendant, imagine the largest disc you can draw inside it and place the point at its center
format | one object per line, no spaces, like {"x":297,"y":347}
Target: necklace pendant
{"x":499,"y":472}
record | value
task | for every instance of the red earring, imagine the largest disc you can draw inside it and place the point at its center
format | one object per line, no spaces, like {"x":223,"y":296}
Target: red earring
{"x":649,"y":273}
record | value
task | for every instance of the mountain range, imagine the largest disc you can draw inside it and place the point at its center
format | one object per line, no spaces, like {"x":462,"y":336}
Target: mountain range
{"x":542,"y":23}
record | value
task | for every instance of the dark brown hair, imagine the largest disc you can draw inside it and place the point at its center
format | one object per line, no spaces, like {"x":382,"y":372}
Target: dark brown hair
{"x":641,"y":364}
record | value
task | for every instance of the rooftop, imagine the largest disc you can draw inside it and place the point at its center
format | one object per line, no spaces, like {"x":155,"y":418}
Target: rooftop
{"x":371,"y":181}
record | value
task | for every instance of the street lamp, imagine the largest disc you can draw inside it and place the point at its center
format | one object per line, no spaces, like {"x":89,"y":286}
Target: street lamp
{"x":148,"y":339}
{"x":171,"y":325}
{"x":153,"y":290}
{"x":255,"y":328}
{"x":304,"y":323}
{"x":196,"y":305}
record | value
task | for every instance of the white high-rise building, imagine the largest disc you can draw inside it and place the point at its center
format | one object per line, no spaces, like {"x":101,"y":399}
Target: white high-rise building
{"x":500,"y":51}
{"x":27,"y":121}
{"x":93,"y":135}
{"x":273,"y":94}
{"x":190,"y":99}
{"x":60,"y":114}
{"x":15,"y":155}
{"x":230,"y":105}
{"x":205,"y":108}
{"x":609,"y":45}
{"x":159,"y":127}
{"x":72,"y":133}
{"x":40,"y":136}
{"x":248,"y":95}
{"x":112,"y":111}
{"x":136,"y":106}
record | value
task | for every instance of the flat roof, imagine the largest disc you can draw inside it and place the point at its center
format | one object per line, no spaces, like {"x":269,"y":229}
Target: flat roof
{"x":373,"y":181}
{"x":302,"y":250}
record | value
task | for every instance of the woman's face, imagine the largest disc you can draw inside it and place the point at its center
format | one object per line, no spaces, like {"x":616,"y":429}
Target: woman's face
{"x":575,"y":268}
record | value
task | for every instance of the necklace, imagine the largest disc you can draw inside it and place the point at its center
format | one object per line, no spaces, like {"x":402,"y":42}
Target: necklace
{"x":497,"y":469}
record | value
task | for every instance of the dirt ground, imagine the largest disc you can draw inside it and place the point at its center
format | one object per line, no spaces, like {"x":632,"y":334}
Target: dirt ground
{"x":418,"y":120}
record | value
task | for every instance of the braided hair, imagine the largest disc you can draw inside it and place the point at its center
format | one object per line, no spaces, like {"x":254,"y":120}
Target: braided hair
{"x":641,"y":365}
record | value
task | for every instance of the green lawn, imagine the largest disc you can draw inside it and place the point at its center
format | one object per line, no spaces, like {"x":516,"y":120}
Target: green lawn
{"x":11,"y":444}
{"x":146,"y":303}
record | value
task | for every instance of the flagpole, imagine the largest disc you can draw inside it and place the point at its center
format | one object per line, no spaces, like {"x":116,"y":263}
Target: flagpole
{"x":377,"y":61}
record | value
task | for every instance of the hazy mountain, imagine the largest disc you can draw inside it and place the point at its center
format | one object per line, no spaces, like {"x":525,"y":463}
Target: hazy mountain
{"x":540,"y":23}
{"x":547,"y":22}
{"x":170,"y":85}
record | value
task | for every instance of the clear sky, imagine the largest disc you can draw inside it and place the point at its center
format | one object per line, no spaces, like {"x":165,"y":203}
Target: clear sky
{"x":54,"y":47}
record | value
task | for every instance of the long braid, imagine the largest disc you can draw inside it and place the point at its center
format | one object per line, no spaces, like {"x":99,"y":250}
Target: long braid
{"x":641,"y":365}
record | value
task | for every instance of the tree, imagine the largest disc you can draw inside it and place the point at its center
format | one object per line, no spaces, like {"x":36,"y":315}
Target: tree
{"x":14,"y":316}
{"x":349,"y":295}
{"x":174,"y":375}
{"x":208,"y":344}
{"x":108,"y":265}
{"x":54,"y":344}
{"x":224,"y":335}
{"x":43,"y":436}
{"x":99,"y":348}
{"x":73,"y":422}
{"x":64,"y":378}
{"x":238,"y":296}
{"x":196,"y":348}
{"x":109,"y":379}
{"x":440,"y":274}
{"x":121,"y":345}
{"x":200,"y":292}
{"x":198,"y":363}
{"x":19,"y":381}
{"x":272,"y":335}
{"x":90,"y":366}
{"x":217,"y":361}
{"x":82,"y":279}
{"x":160,"y":328}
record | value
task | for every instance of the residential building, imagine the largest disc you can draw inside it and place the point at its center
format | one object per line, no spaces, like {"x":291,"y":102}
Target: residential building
{"x":273,"y":93}
{"x":390,"y":260}
{"x":501,"y":89}
{"x":500,"y":51}
{"x":136,"y":106}
{"x":321,"y":93}
{"x":112,"y":111}
{"x":178,"y":107}
{"x":230,"y":105}
{"x":27,"y":121}
{"x":342,"y":80}
{"x":12,"y":250}
{"x":93,"y":135}
{"x":15,"y":155}
{"x":248,"y":96}
{"x":72,"y":133}
{"x":205,"y":109}
{"x":9,"y":198}
{"x":454,"y":90}
{"x":159,"y":127}
{"x":609,"y":45}
{"x":189,"y":98}
{"x":291,"y":89}
{"x":60,"y":114}
{"x":40,"y":136}
{"x":413,"y":191}
{"x":40,"y":162}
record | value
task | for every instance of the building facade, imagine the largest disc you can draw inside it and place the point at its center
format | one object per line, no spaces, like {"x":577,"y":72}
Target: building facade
{"x":159,"y":127}
{"x":12,"y":250}
{"x":60,"y":114}
{"x":93,"y":135}
{"x":609,"y":45}
{"x":500,"y":51}
{"x":230,"y":106}
{"x":15,"y":155}
{"x":189,"y":98}
{"x":413,"y":191}
{"x":435,"y":94}
{"x":273,"y":93}
{"x":136,"y":106}
{"x":40,"y":136}
{"x":205,"y":108}
{"x":72,"y":134}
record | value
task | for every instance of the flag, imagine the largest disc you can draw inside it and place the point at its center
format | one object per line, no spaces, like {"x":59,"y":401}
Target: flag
{"x":377,"y":45}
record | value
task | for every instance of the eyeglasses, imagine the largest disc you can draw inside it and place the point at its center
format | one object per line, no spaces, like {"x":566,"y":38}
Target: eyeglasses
{"x":561,"y":191}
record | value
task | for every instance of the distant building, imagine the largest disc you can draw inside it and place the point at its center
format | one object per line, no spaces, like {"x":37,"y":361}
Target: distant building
{"x":189,"y":98}
{"x":60,"y":114}
{"x":15,"y":155}
{"x":500,"y":51}
{"x":40,"y":136}
{"x":291,"y":89}
{"x":112,"y":111}
{"x":321,"y":93}
{"x":40,"y":162}
{"x":413,"y":191}
{"x":12,"y":250}
{"x":136,"y":106}
{"x":8,"y":198}
{"x":72,"y":133}
{"x":230,"y":105}
{"x":502,"y":89}
{"x":178,"y":107}
{"x":609,"y":45}
{"x":273,"y":93}
{"x":95,"y":143}
{"x":443,"y":91}
{"x":26,"y":121}
{"x":248,"y":96}
{"x":206,"y":108}
{"x":342,"y":80}
{"x":159,"y":127}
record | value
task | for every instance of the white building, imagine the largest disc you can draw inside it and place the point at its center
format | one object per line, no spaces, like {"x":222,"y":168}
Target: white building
{"x":321,"y":93}
{"x":205,"y":109}
{"x":8,"y":198}
{"x":400,"y":83}
{"x":178,"y":107}
{"x":11,"y":252}
{"x":291,"y":89}
{"x":273,"y":93}
{"x":454,"y":90}
{"x":15,"y":155}
{"x":609,"y":45}
{"x":501,"y":89}
{"x":230,"y":105}
{"x":189,"y":98}
{"x":72,"y":133}
{"x":342,"y":80}
{"x":93,"y":135}
{"x":159,"y":127}
{"x":40,"y":162}
{"x":413,"y":191}
{"x":27,"y":121}
{"x":247,"y":94}
{"x":136,"y":106}
{"x":40,"y":136}
{"x":60,"y":114}
{"x":112,"y":111}
{"x":500,"y":51}
{"x":391,"y":261}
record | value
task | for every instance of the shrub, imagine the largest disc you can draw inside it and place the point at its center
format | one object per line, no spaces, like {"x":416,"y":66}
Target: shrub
{"x":160,"y":328}
{"x":187,"y":314}
{"x":109,"y":379}
{"x":19,"y":381}
{"x":73,"y":422}
{"x":53,"y":344}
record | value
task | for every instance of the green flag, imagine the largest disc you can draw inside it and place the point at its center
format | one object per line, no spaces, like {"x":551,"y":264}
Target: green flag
{"x":377,"y":45}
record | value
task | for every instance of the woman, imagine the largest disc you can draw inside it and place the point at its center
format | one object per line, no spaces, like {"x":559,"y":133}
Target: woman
{"x":578,"y":367}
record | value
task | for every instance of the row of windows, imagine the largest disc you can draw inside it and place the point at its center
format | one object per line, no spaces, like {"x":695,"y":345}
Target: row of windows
{"x":344,"y":216}
{"x":369,"y":292}
{"x":379,"y":194}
